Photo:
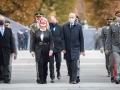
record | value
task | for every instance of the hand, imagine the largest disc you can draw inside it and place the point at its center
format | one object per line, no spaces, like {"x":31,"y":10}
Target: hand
{"x":50,"y":53}
{"x":15,"y":57}
{"x":107,"y":52}
{"x":101,"y":50}
{"x":64,"y":51}
{"x":83,"y":53}
{"x":12,"y":54}
{"x":33,"y":54}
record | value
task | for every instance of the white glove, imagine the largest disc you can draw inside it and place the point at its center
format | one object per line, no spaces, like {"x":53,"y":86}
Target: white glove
{"x":101,"y":50}
{"x":106,"y":52}
{"x":33,"y":54}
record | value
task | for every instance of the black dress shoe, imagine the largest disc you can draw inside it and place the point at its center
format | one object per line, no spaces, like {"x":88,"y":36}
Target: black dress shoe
{"x":112,"y":79}
{"x":45,"y":82}
{"x":58,"y":76}
{"x":116,"y":81}
{"x":39,"y":81}
{"x":73,"y":82}
{"x":7,"y":80}
{"x":52,"y":81}
{"x":77,"y":80}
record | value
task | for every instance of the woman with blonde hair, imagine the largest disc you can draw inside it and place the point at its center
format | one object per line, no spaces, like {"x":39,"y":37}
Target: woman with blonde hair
{"x":42,"y":49}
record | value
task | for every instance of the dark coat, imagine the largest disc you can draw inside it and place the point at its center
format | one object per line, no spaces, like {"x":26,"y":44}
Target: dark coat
{"x":26,"y":35}
{"x":44,"y":49}
{"x":57,"y":39}
{"x":72,"y":41}
{"x":6,"y":45}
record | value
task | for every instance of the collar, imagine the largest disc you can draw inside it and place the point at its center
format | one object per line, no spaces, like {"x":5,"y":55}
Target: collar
{"x":2,"y":28}
{"x":68,"y":23}
{"x":42,"y":30}
{"x":118,"y":24}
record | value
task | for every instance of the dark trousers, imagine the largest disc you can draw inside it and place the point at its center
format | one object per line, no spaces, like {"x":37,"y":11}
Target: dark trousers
{"x":25,"y":44}
{"x":21,"y":45}
{"x":1,"y":72}
{"x":57,"y":57}
{"x":107,"y":62}
{"x":42,"y":69}
{"x":72,"y":69}
{"x":96,"y":45}
{"x":111,"y":59}
{"x":4,"y":69}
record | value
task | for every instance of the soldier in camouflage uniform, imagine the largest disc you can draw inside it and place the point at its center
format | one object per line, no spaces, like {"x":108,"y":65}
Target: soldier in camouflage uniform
{"x":102,"y":39}
{"x":33,"y":28}
{"x":113,"y":41}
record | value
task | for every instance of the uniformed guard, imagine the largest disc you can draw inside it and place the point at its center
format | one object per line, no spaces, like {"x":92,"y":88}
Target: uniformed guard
{"x":7,"y":24}
{"x":35,"y":25}
{"x":33,"y":28}
{"x":103,"y":38}
{"x":113,"y":40}
{"x":78,"y":61}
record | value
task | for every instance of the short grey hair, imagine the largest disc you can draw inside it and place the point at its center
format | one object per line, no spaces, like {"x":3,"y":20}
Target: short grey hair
{"x":2,"y":17}
{"x":73,"y":14}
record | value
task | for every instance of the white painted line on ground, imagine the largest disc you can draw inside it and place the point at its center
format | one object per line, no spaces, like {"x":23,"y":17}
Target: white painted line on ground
{"x":59,"y":85}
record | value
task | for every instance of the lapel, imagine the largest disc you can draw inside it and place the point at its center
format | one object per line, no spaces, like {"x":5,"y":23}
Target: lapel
{"x":4,"y":32}
{"x":68,"y":31}
{"x":0,"y":34}
{"x":56,"y":28}
{"x":116,"y":26}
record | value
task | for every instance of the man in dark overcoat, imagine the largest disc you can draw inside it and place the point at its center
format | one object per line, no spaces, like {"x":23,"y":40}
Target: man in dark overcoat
{"x":6,"y":50}
{"x":72,"y":45}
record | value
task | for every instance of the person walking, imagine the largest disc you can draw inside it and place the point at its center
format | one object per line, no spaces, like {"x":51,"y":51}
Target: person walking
{"x":7,"y":49}
{"x":42,"y":49}
{"x":72,"y":45}
{"x":113,"y":40}
{"x":56,"y":31}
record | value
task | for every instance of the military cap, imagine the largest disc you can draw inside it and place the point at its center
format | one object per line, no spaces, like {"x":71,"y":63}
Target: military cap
{"x":7,"y":22}
{"x":109,"y":19}
{"x":114,"y":18}
{"x":117,"y":13}
{"x":77,"y":17}
{"x":38,"y":14}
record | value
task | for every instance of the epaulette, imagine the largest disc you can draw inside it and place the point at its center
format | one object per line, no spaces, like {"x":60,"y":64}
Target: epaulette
{"x":32,"y":29}
{"x":107,"y":27}
{"x":115,"y":23}
{"x":104,"y":27}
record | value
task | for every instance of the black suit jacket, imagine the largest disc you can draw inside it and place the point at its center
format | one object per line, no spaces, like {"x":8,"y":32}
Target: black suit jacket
{"x":57,"y":39}
{"x":6,"y":45}
{"x":44,"y":49}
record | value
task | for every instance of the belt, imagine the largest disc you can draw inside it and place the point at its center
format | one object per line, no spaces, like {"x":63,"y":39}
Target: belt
{"x":43,"y":43}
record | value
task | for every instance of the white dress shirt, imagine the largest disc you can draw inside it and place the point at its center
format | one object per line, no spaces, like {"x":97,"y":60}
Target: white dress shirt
{"x":42,"y":35}
{"x":2,"y":29}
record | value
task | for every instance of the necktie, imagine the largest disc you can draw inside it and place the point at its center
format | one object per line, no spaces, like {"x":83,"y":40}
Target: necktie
{"x":52,"y":30}
{"x":71,"y":26}
{"x":2,"y":31}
